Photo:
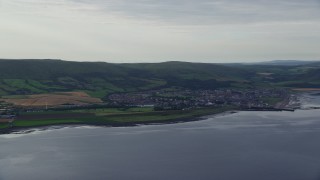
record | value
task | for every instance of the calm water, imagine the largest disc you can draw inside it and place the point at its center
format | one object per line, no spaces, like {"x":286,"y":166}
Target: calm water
{"x":245,"y":145}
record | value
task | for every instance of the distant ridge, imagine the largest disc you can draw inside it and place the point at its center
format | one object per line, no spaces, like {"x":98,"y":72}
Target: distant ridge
{"x":286,"y":62}
{"x":100,"y":79}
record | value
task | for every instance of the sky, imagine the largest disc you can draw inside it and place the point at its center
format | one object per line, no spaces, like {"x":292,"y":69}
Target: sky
{"x":119,"y":31}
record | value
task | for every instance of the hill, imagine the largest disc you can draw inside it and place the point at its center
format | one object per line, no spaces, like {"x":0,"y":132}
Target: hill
{"x":99,"y":79}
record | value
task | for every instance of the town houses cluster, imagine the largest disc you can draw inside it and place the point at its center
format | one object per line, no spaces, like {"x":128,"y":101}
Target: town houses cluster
{"x":167,"y":99}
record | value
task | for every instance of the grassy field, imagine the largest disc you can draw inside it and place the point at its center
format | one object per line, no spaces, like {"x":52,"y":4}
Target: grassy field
{"x":112,"y":117}
{"x":3,"y":125}
{"x":165,"y":116}
{"x":272,"y":101}
{"x":112,"y":111}
{"x":36,"y":123}
{"x":23,"y":84}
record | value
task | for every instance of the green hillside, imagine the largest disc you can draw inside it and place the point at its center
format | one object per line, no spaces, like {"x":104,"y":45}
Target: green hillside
{"x":19,"y":77}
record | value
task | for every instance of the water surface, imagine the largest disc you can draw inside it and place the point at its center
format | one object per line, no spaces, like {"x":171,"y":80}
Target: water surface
{"x":244,"y":145}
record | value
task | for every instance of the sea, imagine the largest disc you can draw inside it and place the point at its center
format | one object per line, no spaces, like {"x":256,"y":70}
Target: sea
{"x":255,"y":145}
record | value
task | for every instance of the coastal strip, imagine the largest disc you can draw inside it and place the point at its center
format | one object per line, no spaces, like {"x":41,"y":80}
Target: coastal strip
{"x":111,"y":119}
{"x":129,"y":116}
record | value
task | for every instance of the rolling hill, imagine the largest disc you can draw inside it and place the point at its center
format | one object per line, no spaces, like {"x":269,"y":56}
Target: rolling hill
{"x":19,"y":77}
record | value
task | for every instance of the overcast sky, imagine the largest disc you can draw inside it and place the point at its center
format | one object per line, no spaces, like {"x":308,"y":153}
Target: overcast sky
{"x":160,"y":30}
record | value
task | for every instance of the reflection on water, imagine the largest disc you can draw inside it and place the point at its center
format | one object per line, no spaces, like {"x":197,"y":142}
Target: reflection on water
{"x":244,"y":145}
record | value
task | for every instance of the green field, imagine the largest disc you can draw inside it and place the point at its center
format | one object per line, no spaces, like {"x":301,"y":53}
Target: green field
{"x":115,"y":117}
{"x":109,"y":111}
{"x":36,"y":123}
{"x":3,"y":125}
{"x":272,"y":101}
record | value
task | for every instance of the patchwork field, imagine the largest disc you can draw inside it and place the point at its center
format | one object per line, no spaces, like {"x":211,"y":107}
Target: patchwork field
{"x":5,"y":120}
{"x":52,"y":99}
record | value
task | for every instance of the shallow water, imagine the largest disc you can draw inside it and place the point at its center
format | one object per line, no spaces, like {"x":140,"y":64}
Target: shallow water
{"x":244,"y":145}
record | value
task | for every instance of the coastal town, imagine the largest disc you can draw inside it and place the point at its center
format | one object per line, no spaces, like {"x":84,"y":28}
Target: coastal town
{"x":178,"y":99}
{"x":172,"y":99}
{"x":7,"y":112}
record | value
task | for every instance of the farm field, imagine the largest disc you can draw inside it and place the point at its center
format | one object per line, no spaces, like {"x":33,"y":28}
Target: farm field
{"x":51,"y":99}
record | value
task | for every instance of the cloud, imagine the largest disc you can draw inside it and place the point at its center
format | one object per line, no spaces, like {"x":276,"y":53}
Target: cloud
{"x":178,"y":12}
{"x":57,"y":8}
{"x":159,"y":30}
{"x":209,"y":12}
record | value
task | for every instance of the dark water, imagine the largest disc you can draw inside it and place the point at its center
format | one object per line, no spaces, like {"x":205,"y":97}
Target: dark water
{"x":245,"y":145}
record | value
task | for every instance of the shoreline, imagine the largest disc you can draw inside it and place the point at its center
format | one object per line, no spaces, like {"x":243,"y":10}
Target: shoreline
{"x":29,"y":129}
{"x":285,"y":106}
